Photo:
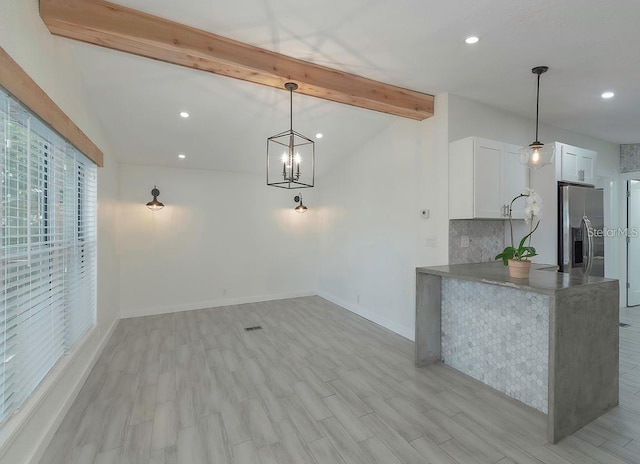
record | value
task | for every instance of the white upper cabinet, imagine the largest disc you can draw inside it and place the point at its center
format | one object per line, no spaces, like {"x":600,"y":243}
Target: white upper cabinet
{"x":484,"y":176}
{"x":576,"y":165}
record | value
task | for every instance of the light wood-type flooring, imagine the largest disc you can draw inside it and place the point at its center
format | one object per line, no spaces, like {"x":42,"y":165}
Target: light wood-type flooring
{"x":317,"y":385}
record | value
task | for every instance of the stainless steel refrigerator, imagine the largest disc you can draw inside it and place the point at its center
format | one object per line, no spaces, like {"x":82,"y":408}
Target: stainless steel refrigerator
{"x":580,"y":230}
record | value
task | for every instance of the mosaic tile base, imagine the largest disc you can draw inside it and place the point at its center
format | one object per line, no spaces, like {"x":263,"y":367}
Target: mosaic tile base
{"x":499,"y":336}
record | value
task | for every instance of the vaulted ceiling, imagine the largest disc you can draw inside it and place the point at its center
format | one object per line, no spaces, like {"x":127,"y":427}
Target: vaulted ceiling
{"x":589,"y":45}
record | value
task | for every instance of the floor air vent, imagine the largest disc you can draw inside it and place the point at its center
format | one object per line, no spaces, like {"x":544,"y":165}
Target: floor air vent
{"x":249,"y":329}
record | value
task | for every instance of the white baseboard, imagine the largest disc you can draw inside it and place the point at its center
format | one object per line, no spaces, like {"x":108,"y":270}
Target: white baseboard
{"x":406,"y":332}
{"x":139,"y":312}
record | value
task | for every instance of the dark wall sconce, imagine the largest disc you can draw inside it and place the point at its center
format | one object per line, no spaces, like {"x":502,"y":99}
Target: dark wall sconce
{"x":155,"y":205}
{"x":300,"y":208}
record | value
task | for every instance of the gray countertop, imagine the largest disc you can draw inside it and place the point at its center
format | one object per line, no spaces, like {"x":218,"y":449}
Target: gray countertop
{"x":542,"y":278}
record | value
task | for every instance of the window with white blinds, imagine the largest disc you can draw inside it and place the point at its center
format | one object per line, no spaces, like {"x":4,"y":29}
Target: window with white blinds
{"x":47,"y":251}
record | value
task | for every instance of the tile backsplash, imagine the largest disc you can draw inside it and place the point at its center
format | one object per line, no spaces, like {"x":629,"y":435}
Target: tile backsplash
{"x":486,"y":240}
{"x":630,"y":157}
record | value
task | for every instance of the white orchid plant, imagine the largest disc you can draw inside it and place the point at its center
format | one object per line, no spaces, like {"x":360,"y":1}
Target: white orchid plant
{"x":532,"y":213}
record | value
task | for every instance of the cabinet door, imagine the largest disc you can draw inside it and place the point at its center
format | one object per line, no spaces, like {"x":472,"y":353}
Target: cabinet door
{"x":516,"y":179}
{"x":569,"y":162}
{"x":487,"y":176}
{"x":586,"y":167}
{"x":578,"y":165}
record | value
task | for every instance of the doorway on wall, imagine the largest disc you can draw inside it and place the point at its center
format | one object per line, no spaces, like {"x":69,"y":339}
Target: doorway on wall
{"x":633,"y":242}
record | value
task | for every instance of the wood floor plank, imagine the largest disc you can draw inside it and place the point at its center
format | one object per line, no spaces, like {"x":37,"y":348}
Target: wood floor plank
{"x":324,"y":452}
{"x":190,"y":447}
{"x":215,"y":439}
{"x":260,"y":426}
{"x":378,"y":453}
{"x":346,"y":446}
{"x":482,"y":450}
{"x":111,"y":456}
{"x":397,"y":421}
{"x":165,"y":426}
{"x":321,"y":388}
{"x":461,"y":454}
{"x":399,"y":446}
{"x":235,"y":423}
{"x":621,"y":452}
{"x":580,"y":448}
{"x":432,"y":452}
{"x":294,"y":447}
{"x":164,"y":456}
{"x":115,"y":427}
{"x":354,"y":403}
{"x":273,"y":454}
{"x":351,"y":423}
{"x":137,"y":445}
{"x":544,"y":454}
{"x":144,"y":405}
{"x":311,"y":401}
{"x":304,"y":423}
{"x":419,"y":420}
{"x":245,"y":453}
{"x":501,"y":442}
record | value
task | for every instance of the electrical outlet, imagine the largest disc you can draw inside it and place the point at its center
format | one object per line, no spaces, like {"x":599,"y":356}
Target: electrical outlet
{"x":464,"y":241}
{"x":431,"y":241}
{"x":358,"y":299}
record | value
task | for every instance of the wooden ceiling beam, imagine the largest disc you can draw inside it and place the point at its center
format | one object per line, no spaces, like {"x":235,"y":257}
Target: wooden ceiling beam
{"x":120,"y":28}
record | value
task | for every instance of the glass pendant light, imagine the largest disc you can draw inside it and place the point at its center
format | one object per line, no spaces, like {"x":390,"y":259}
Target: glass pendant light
{"x":290,"y":155}
{"x":155,"y":205}
{"x":537,"y":154}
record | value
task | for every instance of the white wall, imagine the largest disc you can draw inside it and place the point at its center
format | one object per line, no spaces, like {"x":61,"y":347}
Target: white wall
{"x":222,"y":238}
{"x":372,"y":236}
{"x":50,"y":63}
{"x":468,"y":117}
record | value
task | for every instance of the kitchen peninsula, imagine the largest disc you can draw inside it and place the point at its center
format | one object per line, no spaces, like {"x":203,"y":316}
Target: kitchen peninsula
{"x":549,"y":341}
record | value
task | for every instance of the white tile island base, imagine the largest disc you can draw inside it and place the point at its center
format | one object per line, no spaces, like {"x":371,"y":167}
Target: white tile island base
{"x":499,"y":336}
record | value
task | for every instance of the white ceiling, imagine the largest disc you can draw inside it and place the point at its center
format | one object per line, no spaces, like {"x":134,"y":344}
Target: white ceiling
{"x":589,"y":45}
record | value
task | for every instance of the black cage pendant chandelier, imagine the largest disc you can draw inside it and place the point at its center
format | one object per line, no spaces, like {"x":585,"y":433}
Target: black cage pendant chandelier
{"x":290,"y":155}
{"x":537,"y":154}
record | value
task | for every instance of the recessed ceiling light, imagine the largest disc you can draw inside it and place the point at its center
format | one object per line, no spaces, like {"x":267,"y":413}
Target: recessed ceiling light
{"x":184,"y":114}
{"x":472,"y":40}
{"x":182,"y":156}
{"x":318,"y":135}
{"x":607,"y":95}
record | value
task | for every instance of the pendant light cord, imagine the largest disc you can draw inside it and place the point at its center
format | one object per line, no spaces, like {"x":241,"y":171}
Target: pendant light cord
{"x":291,"y":106}
{"x":537,"y":106}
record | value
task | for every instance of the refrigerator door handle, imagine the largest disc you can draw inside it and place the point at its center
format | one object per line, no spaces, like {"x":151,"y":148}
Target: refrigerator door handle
{"x":588,"y":230}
